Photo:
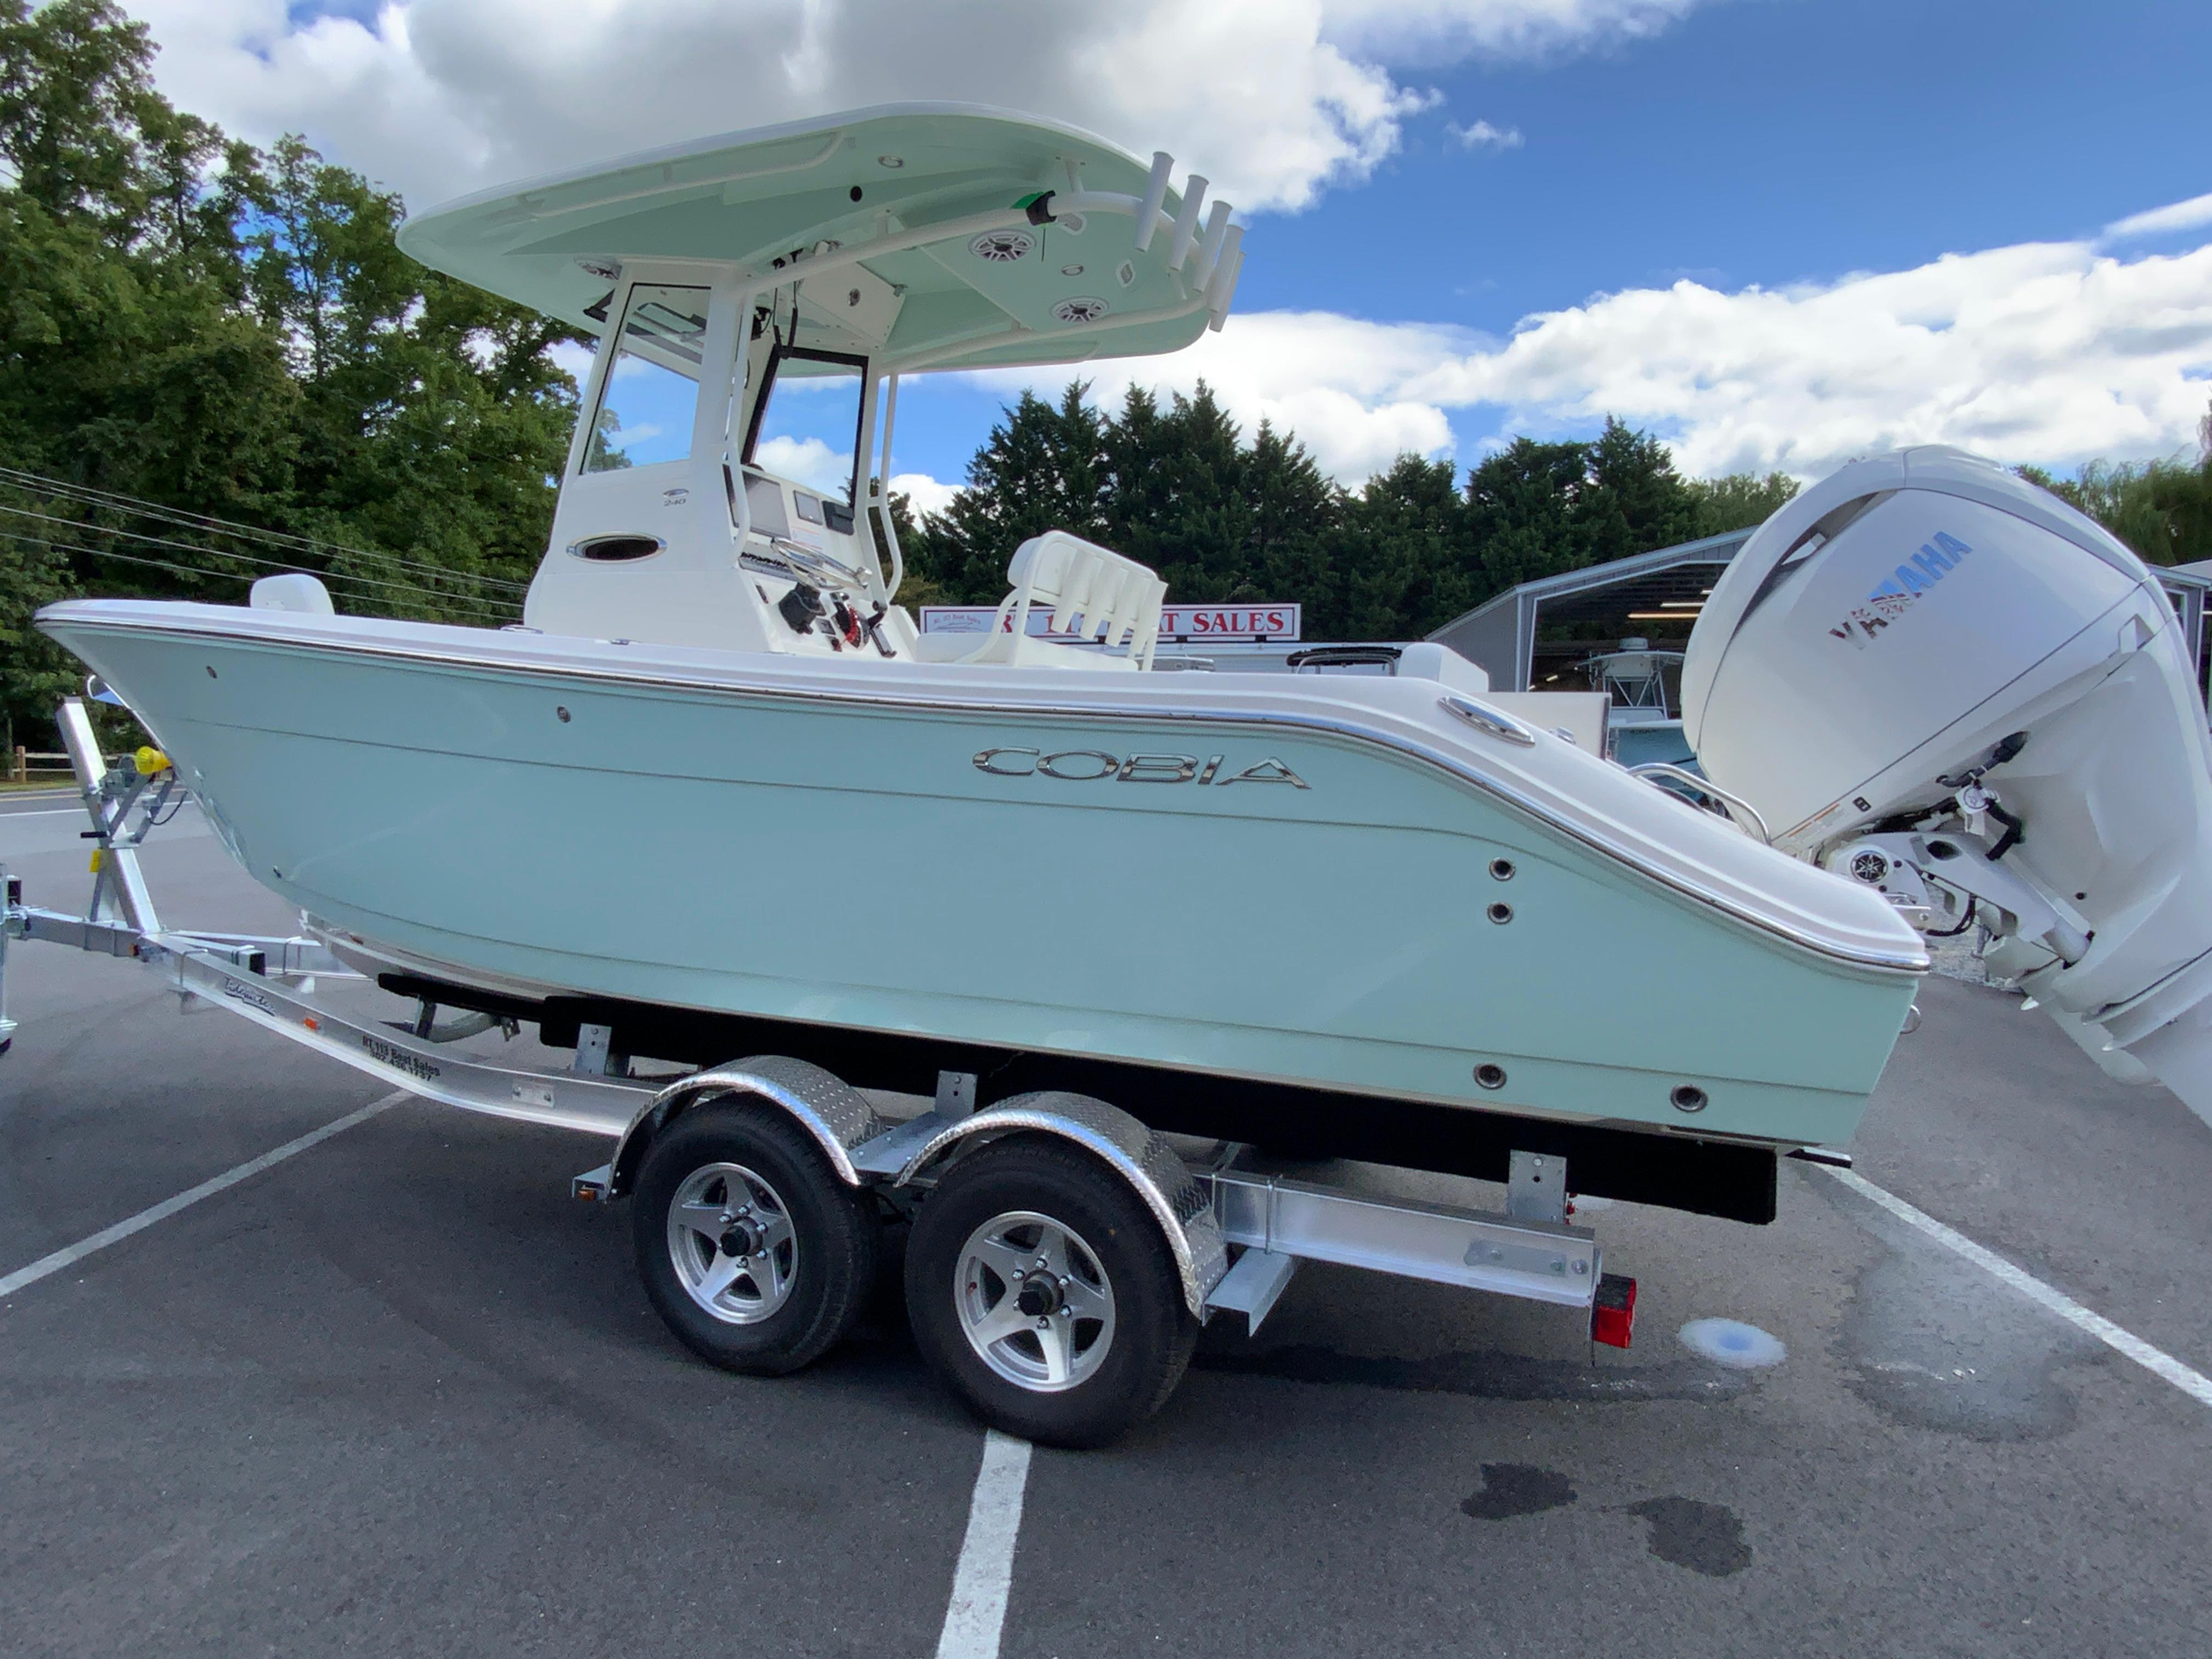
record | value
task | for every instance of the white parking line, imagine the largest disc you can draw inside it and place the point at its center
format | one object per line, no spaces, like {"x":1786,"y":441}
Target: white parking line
{"x":60,"y":1259}
{"x":2190,"y":1380}
{"x":46,"y":812}
{"x":978,"y":1609}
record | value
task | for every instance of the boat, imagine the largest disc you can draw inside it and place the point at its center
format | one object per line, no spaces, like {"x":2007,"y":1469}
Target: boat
{"x":717,"y":770}
{"x":716,"y":796}
{"x":1640,"y":727}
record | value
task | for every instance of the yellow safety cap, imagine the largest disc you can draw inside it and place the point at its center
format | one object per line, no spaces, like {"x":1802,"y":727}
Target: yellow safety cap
{"x":150,"y":761}
{"x":96,"y":853}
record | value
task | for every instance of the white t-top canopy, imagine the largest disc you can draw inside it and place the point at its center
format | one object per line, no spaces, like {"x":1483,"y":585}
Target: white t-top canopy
{"x":930,"y":235}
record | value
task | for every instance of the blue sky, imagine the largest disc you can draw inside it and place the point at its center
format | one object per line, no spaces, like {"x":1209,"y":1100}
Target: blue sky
{"x":1735,"y":214}
{"x":1770,"y":142}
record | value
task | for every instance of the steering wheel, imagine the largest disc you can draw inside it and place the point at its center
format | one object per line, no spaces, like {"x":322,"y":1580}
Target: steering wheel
{"x":818,"y":567}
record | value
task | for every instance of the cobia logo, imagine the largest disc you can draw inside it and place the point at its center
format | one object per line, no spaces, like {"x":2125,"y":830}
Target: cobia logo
{"x":1897,"y":593}
{"x":1095,"y":765}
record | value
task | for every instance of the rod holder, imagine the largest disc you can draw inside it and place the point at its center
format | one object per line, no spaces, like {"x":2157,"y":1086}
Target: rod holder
{"x":1155,"y":195}
{"x":1186,"y":222}
{"x":1223,"y":286}
{"x":1209,"y":251}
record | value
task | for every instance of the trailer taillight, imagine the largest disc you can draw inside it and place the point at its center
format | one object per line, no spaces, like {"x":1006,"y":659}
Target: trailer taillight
{"x":1613,"y":1313}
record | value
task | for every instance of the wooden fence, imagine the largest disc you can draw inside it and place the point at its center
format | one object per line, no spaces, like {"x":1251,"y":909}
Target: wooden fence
{"x":27,"y":762}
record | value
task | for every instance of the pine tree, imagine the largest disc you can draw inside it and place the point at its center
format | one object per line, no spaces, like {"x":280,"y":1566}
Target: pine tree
{"x":1631,"y":499}
{"x":1044,"y":467}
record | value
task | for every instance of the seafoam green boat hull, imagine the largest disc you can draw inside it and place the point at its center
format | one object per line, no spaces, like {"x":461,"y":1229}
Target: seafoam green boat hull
{"x":854,"y":865}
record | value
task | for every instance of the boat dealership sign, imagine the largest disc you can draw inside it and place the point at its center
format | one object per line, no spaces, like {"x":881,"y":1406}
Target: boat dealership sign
{"x":1225,"y":623}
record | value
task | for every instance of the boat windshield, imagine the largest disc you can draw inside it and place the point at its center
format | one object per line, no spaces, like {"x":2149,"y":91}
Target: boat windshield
{"x":651,"y":394}
{"x":806,"y":427}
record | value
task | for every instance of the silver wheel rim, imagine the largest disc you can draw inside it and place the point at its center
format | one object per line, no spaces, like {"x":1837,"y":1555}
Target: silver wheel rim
{"x":1060,"y":1340}
{"x":731,"y":1240}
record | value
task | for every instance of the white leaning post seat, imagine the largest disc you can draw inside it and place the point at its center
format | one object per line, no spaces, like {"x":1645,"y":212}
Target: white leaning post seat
{"x":1117,"y":598}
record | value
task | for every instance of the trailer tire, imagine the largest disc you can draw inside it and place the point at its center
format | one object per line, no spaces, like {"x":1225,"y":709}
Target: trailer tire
{"x":789,"y":1271}
{"x":1106,"y":1334}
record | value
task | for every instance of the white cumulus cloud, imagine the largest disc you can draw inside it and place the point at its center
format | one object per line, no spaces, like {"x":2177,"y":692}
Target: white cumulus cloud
{"x":2054,"y":353}
{"x":1481,"y":135}
{"x":2191,"y":215}
{"x":1272,"y":99}
{"x":808,"y":461}
{"x":927,"y":494}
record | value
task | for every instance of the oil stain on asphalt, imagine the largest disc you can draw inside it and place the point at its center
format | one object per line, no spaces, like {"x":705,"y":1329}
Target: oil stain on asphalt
{"x":1706,"y":1538}
{"x":1687,"y":1532}
{"x":1517,"y":1489}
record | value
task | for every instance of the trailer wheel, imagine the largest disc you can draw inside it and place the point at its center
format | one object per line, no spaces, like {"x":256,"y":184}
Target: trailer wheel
{"x":758,"y":1256}
{"x":1040,"y":1289}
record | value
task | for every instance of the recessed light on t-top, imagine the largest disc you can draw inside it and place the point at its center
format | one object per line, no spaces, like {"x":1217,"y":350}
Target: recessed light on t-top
{"x":1070,"y":270}
{"x":890,"y":160}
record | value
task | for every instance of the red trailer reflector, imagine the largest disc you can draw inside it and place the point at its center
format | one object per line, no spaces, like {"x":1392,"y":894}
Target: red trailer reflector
{"x":1613,"y":1314}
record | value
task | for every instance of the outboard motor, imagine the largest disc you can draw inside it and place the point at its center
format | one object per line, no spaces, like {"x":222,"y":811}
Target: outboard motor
{"x":1933,"y":677}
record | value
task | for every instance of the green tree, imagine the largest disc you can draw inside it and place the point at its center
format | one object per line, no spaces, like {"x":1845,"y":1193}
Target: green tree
{"x":1522,"y":512}
{"x":2161,"y":509}
{"x":1737,"y":500}
{"x":125,"y":362}
{"x":432,"y":413}
{"x":1042,"y":468}
{"x":1631,"y":500}
{"x":1407,"y":560}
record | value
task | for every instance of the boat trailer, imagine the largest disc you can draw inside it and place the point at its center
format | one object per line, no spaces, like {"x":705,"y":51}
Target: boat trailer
{"x":800,"y":1163}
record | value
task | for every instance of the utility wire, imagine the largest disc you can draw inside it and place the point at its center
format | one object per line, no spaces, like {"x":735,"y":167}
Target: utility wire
{"x":40,"y":484}
{"x":176,"y":570}
{"x":472,"y":618}
{"x":268,"y":564}
{"x":483,"y":607}
{"x":91,"y":497}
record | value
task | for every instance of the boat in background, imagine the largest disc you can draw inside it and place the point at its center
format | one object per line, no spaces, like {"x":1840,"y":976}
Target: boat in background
{"x":1641,"y":728}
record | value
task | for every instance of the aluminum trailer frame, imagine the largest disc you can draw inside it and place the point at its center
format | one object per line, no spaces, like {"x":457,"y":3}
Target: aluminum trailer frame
{"x":1235,"y":1234}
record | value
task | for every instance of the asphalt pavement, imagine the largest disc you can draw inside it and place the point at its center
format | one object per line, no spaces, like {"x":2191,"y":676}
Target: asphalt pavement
{"x":399,"y":1393}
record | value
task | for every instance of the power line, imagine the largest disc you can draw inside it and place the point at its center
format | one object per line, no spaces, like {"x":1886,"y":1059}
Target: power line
{"x":489,"y":613}
{"x":104,"y":553}
{"x":242,"y":558}
{"x":38,"y":483}
{"x":91,"y":497}
{"x":160,"y":564}
{"x":477,"y":618}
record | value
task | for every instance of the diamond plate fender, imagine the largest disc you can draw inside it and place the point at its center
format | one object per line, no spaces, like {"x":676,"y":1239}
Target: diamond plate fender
{"x":1136,"y":1153}
{"x":829,"y":1109}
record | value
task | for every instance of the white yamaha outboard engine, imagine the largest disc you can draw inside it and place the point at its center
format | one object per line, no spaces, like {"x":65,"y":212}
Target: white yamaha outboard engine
{"x":1940,"y":680}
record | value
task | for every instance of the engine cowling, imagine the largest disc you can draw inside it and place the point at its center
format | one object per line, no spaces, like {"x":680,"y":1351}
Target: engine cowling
{"x":1932,"y":675}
